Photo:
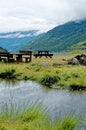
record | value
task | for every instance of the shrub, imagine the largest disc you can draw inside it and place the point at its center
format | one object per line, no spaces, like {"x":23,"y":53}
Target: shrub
{"x":49,"y":80}
{"x":26,"y":77}
{"x":8,"y":74}
{"x":2,"y":128}
{"x":77,"y":87}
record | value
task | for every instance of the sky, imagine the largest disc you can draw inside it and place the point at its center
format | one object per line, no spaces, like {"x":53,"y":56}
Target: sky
{"x":42,"y":15}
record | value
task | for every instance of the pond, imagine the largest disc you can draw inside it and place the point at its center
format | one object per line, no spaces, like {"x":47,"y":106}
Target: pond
{"x":55,"y":101}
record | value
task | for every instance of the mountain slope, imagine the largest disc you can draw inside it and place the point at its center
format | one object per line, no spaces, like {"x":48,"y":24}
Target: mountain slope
{"x":61,"y":38}
{"x":79,"y":46}
{"x":13,"y":41}
{"x":2,"y":50}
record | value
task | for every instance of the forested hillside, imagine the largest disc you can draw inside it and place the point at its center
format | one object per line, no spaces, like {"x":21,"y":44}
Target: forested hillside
{"x":61,"y":38}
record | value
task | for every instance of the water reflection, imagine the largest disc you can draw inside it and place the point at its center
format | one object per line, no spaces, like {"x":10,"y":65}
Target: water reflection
{"x":57,"y":102}
{"x":9,"y":83}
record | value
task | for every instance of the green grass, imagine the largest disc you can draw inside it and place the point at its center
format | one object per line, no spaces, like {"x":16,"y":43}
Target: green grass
{"x":60,"y":76}
{"x":8,"y":74}
{"x":35,"y":118}
{"x":49,"y":80}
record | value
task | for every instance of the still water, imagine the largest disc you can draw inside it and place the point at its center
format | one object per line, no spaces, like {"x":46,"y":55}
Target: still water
{"x":56,"y":102}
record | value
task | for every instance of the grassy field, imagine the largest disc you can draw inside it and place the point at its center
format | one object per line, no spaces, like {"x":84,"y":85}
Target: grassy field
{"x":44,"y":71}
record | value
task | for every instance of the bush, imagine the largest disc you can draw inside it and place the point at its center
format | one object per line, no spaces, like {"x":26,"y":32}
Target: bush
{"x":26,"y":77}
{"x":49,"y":80}
{"x":2,"y":128}
{"x":8,"y":74}
{"x":77,"y":87}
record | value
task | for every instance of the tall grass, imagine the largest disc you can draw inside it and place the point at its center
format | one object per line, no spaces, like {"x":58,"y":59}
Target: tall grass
{"x":49,"y":80}
{"x":8,"y":74}
{"x":69,"y":122}
{"x":35,"y":118}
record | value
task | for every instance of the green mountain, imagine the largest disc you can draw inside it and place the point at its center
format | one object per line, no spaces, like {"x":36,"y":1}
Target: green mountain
{"x":2,"y":50}
{"x":14,"y":41}
{"x":62,"y":38}
{"x":79,"y":46}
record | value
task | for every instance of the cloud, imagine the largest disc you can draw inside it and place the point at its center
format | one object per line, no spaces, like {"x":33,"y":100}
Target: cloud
{"x":19,"y":34}
{"x":19,"y":15}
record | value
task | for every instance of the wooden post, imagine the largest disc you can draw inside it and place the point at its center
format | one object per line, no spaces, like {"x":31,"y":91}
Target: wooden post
{"x":19,"y":58}
{"x":28,"y":55}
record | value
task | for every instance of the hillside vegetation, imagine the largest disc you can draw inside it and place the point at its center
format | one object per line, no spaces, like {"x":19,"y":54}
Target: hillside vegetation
{"x":13,"y":41}
{"x":61,"y":38}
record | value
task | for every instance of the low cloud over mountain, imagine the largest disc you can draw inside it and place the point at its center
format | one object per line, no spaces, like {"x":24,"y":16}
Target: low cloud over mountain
{"x":43,"y":15}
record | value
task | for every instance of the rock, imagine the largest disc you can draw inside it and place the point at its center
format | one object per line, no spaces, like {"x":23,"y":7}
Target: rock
{"x":84,"y":62}
{"x":57,"y":64}
{"x":78,"y":57}
{"x":44,"y":64}
{"x":73,"y":61}
{"x":64,"y":59}
{"x":33,"y":64}
{"x":81,"y":58}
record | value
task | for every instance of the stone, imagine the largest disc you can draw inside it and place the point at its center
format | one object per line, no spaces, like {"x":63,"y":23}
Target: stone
{"x":44,"y":64}
{"x":81,"y":58}
{"x":33,"y":63}
{"x":57,"y":64}
{"x":84,"y":62}
{"x":73,"y":61}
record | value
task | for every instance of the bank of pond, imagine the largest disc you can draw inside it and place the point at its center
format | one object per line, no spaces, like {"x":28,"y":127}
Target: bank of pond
{"x":69,"y":77}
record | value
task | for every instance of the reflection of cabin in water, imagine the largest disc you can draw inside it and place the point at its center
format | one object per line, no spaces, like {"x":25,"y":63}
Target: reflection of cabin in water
{"x":20,"y":56}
